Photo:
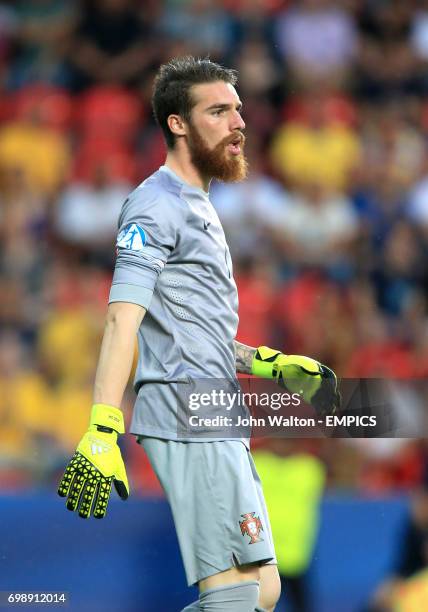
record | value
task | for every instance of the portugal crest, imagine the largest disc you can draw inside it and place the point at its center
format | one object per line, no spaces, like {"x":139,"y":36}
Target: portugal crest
{"x":251,"y":526}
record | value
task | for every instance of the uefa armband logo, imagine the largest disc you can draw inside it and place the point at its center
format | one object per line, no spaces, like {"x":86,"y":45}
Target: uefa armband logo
{"x":132,"y":238}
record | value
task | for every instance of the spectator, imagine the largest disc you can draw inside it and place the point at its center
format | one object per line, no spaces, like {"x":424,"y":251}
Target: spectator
{"x":318,"y":40}
{"x":7,"y":29}
{"x":258,"y":71}
{"x":26,"y":413}
{"x":402,"y":269}
{"x":419,"y":41}
{"x":250,"y":211}
{"x":318,"y":230}
{"x":23,"y":219}
{"x":379,"y":353}
{"x":202,"y":24}
{"x":315,"y":150}
{"x":111,"y":44}
{"x":40,"y":153}
{"x":391,"y":142}
{"x":42,"y":30}
{"x":385,"y":33}
{"x":418,"y":205}
{"x":87,"y":212}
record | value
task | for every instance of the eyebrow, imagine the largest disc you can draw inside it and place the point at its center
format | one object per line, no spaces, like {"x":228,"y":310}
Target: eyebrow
{"x":224,"y":106}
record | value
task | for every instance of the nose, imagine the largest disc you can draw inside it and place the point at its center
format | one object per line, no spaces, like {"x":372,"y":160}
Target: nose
{"x":237,"y":122}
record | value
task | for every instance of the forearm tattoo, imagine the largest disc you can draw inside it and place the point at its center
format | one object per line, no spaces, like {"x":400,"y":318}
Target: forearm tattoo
{"x":244,"y":357}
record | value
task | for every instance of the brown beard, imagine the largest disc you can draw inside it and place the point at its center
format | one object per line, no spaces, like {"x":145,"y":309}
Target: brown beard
{"x":214,"y":163}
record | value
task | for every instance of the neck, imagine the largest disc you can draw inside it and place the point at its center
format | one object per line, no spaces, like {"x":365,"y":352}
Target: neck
{"x":180,"y":163}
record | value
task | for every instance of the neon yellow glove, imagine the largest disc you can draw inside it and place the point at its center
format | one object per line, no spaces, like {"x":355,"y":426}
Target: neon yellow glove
{"x":96,"y":463}
{"x":313,"y":381}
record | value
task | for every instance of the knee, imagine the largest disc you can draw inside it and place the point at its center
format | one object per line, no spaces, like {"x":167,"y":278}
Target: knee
{"x":270,"y":588}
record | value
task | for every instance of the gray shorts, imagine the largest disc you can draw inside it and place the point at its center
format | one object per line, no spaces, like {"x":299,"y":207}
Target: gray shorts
{"x":217,"y":504}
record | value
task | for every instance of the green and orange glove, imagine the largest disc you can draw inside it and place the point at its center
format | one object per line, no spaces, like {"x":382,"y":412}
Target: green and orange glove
{"x":314,"y":382}
{"x":96,"y":464}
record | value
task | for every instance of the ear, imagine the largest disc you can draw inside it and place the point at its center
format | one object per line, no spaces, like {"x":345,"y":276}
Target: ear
{"x":177,"y":125}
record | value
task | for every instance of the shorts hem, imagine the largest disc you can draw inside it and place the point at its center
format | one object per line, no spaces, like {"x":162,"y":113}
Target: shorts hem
{"x":193,"y":580}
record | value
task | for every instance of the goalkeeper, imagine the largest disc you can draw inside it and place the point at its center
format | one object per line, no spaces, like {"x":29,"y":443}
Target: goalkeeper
{"x":173,"y":270}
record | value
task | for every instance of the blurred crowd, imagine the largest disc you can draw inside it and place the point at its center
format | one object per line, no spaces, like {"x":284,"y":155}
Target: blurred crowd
{"x":329,"y":234}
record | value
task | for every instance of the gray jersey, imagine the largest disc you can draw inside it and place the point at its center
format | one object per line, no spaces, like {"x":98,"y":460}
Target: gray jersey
{"x":173,"y":259}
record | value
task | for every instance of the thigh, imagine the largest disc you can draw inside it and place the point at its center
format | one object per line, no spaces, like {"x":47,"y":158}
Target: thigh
{"x":240,"y":573}
{"x":270,"y":586}
{"x":215,"y":504}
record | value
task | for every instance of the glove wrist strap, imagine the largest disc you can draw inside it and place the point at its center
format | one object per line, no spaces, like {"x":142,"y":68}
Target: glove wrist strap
{"x":263,"y":361}
{"x":107,"y":416}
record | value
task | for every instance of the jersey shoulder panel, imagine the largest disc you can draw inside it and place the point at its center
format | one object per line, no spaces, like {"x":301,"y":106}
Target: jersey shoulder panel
{"x":159,"y":197}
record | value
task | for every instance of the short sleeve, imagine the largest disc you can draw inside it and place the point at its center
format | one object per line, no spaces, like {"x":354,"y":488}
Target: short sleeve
{"x":146,"y":238}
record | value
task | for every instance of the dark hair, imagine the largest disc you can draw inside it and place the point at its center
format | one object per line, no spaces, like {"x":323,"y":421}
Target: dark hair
{"x":171,"y":92}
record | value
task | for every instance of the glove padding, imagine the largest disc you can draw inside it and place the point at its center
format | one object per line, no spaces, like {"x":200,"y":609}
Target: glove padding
{"x":96,"y":464}
{"x":313,"y":381}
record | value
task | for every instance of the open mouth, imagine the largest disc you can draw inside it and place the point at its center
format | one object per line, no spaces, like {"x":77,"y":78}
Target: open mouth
{"x":234,"y":147}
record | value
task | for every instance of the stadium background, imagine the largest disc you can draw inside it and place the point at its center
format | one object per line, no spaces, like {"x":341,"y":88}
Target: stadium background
{"x":329,"y":238}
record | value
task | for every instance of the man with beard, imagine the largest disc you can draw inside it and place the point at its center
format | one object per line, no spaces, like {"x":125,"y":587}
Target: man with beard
{"x":174,"y":270}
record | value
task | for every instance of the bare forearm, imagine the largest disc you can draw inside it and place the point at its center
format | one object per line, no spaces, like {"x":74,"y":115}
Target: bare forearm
{"x":114,"y":366}
{"x":116,"y":356}
{"x":244,"y":357}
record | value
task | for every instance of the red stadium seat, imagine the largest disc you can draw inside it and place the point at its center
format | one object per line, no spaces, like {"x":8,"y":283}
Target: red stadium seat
{"x":152,"y":156}
{"x":6,"y":108}
{"x":256,"y":300}
{"x":51,"y":106}
{"x":117,"y":160}
{"x":110,"y":112}
{"x":332,"y":108}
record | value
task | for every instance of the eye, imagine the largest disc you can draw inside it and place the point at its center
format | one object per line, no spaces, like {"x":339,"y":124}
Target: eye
{"x":218,"y":112}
